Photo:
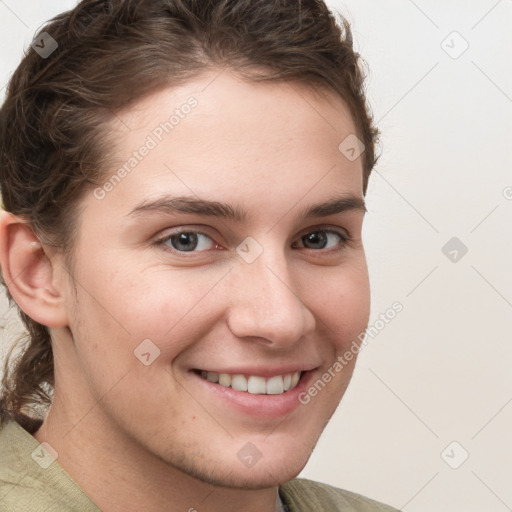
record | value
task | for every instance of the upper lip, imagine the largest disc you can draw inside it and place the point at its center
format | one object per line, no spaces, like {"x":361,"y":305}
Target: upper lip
{"x":261,"y":371}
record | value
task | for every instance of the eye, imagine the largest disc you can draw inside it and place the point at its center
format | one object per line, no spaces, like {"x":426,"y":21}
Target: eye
{"x":319,"y":239}
{"x":188,"y":241}
{"x":196,"y":241}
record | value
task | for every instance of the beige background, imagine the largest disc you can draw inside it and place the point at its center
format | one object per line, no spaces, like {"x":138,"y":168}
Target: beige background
{"x":440,"y":371}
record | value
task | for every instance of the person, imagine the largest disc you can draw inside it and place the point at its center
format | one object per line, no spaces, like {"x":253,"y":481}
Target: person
{"x":183,"y":187}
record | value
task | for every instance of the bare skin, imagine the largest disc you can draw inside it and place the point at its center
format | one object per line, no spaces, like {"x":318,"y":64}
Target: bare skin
{"x":159,"y":436}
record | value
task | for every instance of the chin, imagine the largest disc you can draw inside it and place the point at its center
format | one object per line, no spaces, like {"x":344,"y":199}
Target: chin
{"x":234,"y":474}
{"x":250,"y":478}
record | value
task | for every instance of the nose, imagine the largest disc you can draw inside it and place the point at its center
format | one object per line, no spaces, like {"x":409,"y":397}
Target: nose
{"x":266,"y":303}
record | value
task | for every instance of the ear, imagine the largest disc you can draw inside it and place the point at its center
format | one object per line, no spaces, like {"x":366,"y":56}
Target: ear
{"x":29,"y":274}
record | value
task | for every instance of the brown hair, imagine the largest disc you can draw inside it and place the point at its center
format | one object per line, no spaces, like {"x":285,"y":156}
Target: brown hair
{"x":113,"y":52}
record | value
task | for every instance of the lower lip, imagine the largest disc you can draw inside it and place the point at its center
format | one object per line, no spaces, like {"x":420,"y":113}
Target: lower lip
{"x":268,"y":406}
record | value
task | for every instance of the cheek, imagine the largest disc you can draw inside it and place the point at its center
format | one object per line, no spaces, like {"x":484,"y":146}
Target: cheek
{"x":127,"y":304}
{"x":342,"y":304}
{"x":355,"y":304}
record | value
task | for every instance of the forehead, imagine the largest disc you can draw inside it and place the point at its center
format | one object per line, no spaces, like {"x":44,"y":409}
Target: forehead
{"x":221,"y":135}
{"x":224,"y":89}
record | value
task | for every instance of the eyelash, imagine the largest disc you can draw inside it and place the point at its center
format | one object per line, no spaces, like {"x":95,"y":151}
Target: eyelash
{"x":344,"y":240}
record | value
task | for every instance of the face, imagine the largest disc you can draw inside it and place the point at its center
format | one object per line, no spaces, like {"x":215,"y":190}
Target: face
{"x":192,"y":322}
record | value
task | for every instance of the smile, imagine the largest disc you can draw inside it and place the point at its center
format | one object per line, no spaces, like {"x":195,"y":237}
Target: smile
{"x":254,"y":384}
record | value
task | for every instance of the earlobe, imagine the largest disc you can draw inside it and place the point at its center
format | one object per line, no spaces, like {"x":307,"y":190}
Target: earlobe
{"x":29,"y":272}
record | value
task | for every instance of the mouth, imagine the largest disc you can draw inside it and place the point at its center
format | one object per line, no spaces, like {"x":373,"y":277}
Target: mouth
{"x":253,"y":384}
{"x":263,"y":394}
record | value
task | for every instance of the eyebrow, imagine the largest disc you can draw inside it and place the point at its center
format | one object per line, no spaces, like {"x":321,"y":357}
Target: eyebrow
{"x":185,"y":204}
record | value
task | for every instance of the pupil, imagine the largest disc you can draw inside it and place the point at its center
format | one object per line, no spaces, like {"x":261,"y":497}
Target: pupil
{"x":182,"y":239}
{"x":316,"y":238}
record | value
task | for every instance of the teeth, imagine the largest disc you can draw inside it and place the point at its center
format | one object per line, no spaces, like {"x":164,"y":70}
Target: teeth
{"x":239,"y":383}
{"x":275,"y":385}
{"x":225,"y":380}
{"x":254,"y":384}
{"x":212,"y":376}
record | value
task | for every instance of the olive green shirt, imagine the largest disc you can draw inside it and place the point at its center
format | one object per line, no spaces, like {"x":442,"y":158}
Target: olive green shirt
{"x":32,"y":481}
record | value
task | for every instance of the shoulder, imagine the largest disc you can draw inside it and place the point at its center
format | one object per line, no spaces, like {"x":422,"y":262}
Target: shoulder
{"x":306,"y":495}
{"x":31,"y":479}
